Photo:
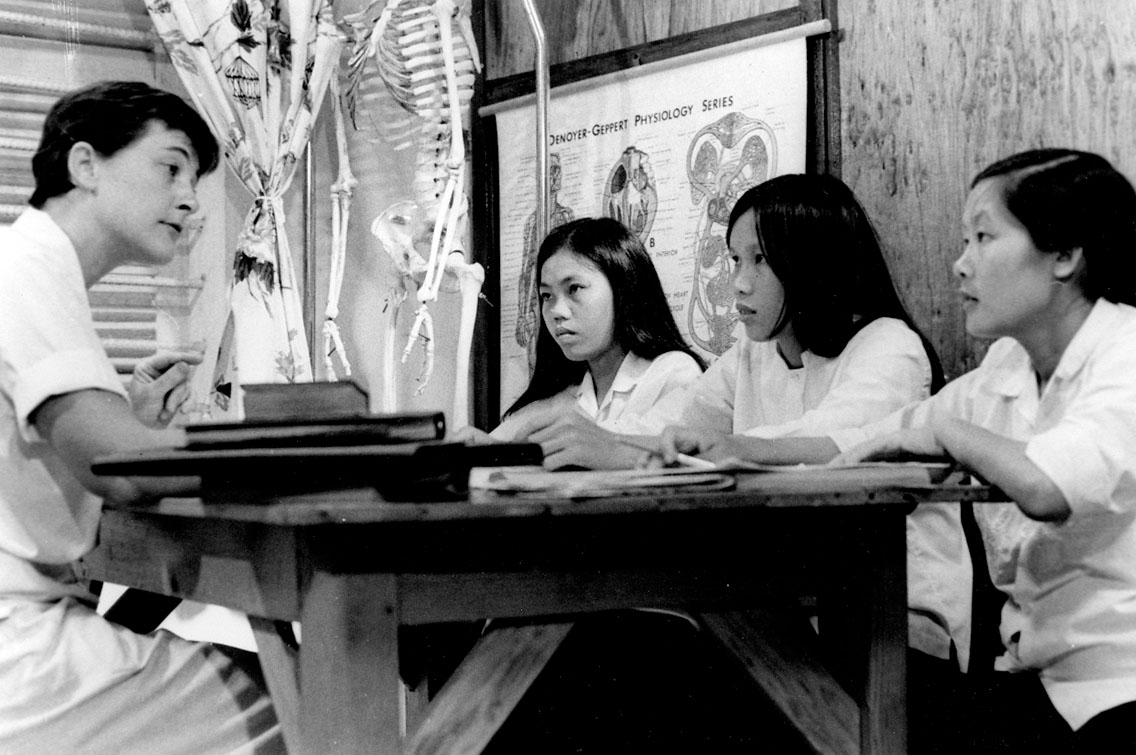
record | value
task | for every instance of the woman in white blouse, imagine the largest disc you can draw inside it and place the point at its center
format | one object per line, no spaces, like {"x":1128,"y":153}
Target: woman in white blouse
{"x":1049,"y":268}
{"x":608,"y":349}
{"x":828,"y":343}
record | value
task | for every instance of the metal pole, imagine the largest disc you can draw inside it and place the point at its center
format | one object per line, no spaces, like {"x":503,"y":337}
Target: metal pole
{"x":310,"y":272}
{"x":543,"y":191}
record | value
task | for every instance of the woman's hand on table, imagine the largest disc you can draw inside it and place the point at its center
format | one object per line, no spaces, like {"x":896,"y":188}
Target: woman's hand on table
{"x":569,"y":439}
{"x":915,"y":441}
{"x":472,"y":436}
{"x":711,"y":445}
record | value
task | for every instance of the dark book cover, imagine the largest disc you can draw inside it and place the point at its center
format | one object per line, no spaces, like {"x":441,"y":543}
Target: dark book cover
{"x":304,"y":401}
{"x":374,"y":429}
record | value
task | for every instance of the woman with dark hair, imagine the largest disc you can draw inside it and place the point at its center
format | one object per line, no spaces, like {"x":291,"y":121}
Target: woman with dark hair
{"x":608,"y":348}
{"x":818,"y":242}
{"x":1049,"y":268}
{"x":116,"y":175}
{"x":828,"y":343}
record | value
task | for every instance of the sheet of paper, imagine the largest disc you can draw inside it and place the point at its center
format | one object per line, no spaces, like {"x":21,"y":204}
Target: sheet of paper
{"x":591,"y":483}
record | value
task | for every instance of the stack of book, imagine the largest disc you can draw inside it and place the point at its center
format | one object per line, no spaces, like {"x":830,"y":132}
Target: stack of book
{"x":279,"y":415}
{"x":309,"y":437}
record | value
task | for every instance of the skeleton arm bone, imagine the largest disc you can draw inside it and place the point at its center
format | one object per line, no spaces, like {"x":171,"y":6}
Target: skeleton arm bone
{"x":341,"y":192}
{"x":470,"y":277}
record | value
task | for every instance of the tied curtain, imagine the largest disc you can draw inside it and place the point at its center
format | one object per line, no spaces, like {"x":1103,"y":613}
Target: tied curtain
{"x":257,"y":71}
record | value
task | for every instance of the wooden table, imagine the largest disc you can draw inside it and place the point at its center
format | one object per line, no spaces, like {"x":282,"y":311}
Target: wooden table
{"x":352,"y":568}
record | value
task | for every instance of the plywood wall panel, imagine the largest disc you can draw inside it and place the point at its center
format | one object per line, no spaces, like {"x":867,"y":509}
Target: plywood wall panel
{"x":579,"y":29}
{"x":932,"y":92}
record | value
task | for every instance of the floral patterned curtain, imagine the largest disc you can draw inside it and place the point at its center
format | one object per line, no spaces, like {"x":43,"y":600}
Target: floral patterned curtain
{"x":257,"y":70}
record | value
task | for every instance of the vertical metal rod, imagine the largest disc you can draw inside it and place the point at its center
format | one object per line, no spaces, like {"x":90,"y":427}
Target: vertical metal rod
{"x":543,"y":191}
{"x":310,"y":271}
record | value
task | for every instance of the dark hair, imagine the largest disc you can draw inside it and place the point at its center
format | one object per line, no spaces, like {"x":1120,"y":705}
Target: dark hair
{"x":643,"y":320}
{"x":822,"y":247}
{"x":1067,"y":199}
{"x":109,"y":116}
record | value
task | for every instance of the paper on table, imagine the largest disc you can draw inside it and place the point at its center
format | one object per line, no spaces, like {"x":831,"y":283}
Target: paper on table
{"x":936,"y":470}
{"x":591,"y":483}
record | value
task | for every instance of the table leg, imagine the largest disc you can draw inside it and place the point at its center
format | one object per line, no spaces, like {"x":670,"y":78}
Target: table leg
{"x":486,"y":687}
{"x":278,"y":662}
{"x":883,"y":725}
{"x":349,"y":683}
{"x":780,"y":655}
{"x":863,"y":627}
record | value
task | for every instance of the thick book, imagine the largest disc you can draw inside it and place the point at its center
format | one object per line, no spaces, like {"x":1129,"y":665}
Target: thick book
{"x":374,"y":429}
{"x":304,"y":401}
{"x":419,"y":471}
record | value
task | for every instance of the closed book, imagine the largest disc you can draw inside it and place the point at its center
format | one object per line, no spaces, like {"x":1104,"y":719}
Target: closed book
{"x":374,"y":429}
{"x":304,"y":401}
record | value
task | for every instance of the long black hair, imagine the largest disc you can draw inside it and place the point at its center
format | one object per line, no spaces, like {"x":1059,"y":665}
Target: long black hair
{"x":1068,"y":199}
{"x":643,"y":321}
{"x":819,"y":242}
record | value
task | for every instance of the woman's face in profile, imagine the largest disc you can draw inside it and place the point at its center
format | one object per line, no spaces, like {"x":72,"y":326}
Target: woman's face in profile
{"x":758,"y":293}
{"x":1006,"y":283}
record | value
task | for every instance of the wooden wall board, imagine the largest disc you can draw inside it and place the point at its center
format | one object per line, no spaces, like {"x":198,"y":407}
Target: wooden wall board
{"x":591,"y":27}
{"x":933,"y":92}
{"x":581,"y":69}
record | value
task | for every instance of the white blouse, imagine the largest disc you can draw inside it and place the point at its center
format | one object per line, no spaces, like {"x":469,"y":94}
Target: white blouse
{"x":638,"y":386}
{"x":48,"y":347}
{"x":750,"y":390}
{"x":1071,"y":612}
{"x":70,"y":679}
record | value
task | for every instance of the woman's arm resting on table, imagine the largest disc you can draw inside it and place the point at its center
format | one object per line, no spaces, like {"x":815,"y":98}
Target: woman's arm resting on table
{"x":717,"y":446}
{"x":1003,"y":462}
{"x":84,"y":425}
{"x":569,"y":439}
{"x":997,"y":459}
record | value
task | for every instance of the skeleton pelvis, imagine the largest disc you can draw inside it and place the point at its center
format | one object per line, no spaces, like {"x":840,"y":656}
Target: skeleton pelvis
{"x":405,"y":231}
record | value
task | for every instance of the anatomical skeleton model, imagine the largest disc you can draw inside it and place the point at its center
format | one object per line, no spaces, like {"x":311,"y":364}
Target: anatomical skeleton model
{"x":426,"y":57}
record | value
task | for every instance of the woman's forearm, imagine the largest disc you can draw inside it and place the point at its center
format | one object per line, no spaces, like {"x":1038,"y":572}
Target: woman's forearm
{"x":1003,"y":462}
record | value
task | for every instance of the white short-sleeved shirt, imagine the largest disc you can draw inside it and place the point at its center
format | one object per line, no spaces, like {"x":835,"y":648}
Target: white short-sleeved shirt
{"x":750,"y":390}
{"x":638,"y":386}
{"x":1071,"y":612}
{"x":48,"y":347}
{"x":71,"y":680}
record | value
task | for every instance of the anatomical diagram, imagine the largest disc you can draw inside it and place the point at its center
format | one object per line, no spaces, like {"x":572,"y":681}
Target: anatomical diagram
{"x":528,"y":303}
{"x":629,"y":194}
{"x":725,"y":158}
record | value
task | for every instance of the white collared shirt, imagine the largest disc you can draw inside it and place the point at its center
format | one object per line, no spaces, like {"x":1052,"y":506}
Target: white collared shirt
{"x":1071,"y":612}
{"x":750,"y":390}
{"x":48,"y":347}
{"x":638,"y":386}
